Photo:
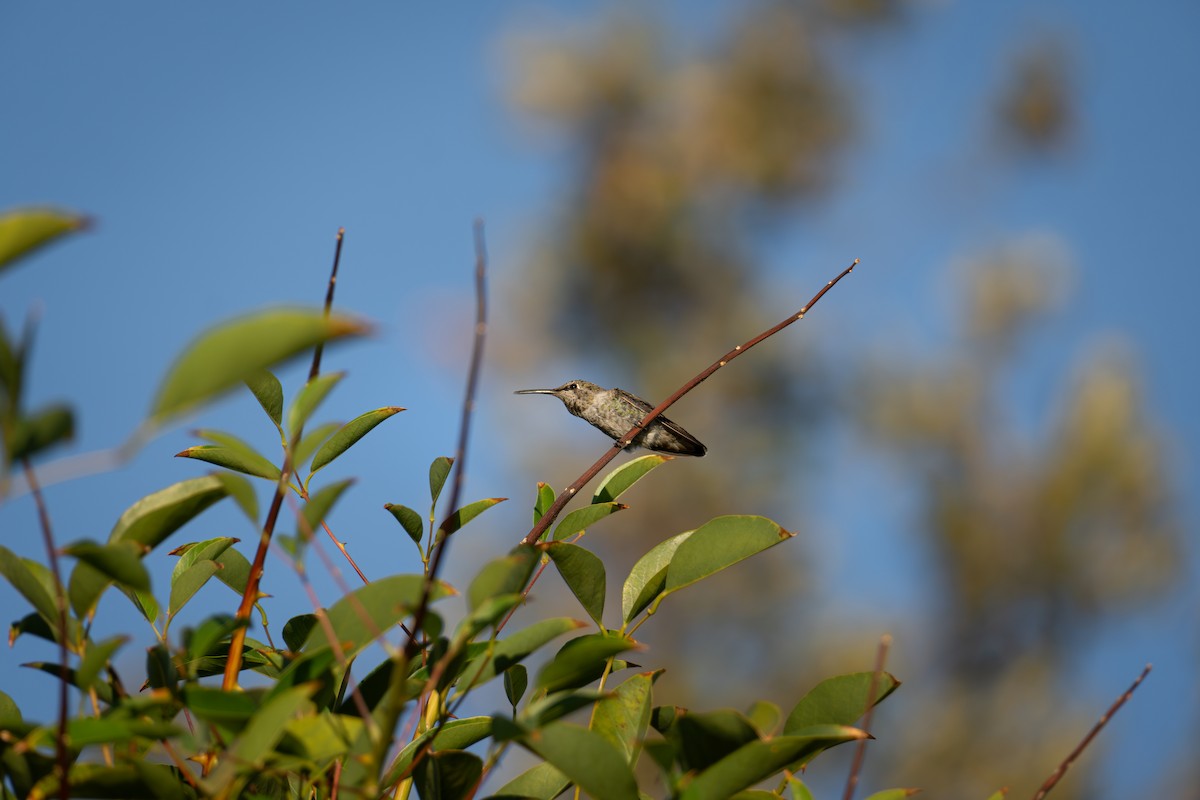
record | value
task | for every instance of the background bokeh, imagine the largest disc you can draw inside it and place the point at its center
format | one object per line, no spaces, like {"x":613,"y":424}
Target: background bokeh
{"x":985,"y":437}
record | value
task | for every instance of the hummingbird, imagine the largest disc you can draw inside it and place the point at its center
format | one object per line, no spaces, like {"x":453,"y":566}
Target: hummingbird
{"x":615,"y":411}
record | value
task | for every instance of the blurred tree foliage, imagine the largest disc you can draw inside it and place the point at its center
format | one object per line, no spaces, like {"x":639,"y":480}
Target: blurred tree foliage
{"x":650,"y":269}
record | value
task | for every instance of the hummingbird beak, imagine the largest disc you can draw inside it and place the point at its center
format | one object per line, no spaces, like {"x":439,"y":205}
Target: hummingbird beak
{"x":534,"y":391}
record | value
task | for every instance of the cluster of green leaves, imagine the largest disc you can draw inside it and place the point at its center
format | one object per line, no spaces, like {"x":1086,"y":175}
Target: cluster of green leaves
{"x":315,"y":725}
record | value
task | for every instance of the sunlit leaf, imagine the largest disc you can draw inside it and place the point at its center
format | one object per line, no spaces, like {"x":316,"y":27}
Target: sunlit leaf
{"x":694,"y":555}
{"x":147,"y":523}
{"x":759,"y":760}
{"x":620,"y":479}
{"x":120,"y":561}
{"x":310,"y":441}
{"x":648,"y":577}
{"x":245,"y":461}
{"x":624,"y":717}
{"x":582,"y":518}
{"x":454,"y":735}
{"x":465,"y":514}
{"x":581,"y":661}
{"x":515,"y":647}
{"x":503,"y":576}
{"x":841,"y":700}
{"x":370,"y":611}
{"x":309,"y":398}
{"x":234,"y":351}
{"x":542,"y":781}
{"x":545,"y":499}
{"x":586,"y":758}
{"x":23,"y":230}
{"x":268,"y":392}
{"x":350,"y":433}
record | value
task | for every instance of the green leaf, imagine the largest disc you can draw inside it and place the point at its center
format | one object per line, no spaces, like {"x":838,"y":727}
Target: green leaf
{"x":246,"y":462}
{"x":840,"y":700}
{"x":439,"y":470}
{"x":759,"y":760}
{"x":502,"y":576}
{"x":236,"y":350}
{"x":516,"y":681}
{"x":310,"y":441}
{"x":542,"y":782}
{"x":447,"y":775}
{"x":704,"y":738}
{"x":513,"y":649}
{"x":297,"y":629}
{"x":465,"y":514}
{"x":156,"y":516}
{"x":545,"y":498}
{"x":586,"y":758}
{"x":620,"y":479}
{"x":160,"y":669}
{"x":308,"y":399}
{"x":242,"y":493}
{"x":193,"y":553}
{"x":318,"y":507}
{"x":893,"y":794}
{"x":23,"y":230}
{"x":624,"y":717}
{"x":349,"y":434}
{"x":582,"y":660}
{"x":694,"y":555}
{"x":54,"y":670}
{"x":120,"y":561}
{"x":799,"y":790}
{"x":410,"y":520}
{"x":259,"y":737}
{"x":147,"y":522}
{"x":96,"y":658}
{"x":10,"y":714}
{"x":454,"y":735}
{"x":44,"y":429}
{"x":20,"y":575}
{"x":370,"y":611}
{"x":583,"y":573}
{"x":582,"y":518}
{"x":765,"y":717}
{"x":269,"y":393}
{"x":648,"y":577}
{"x":185,"y":585}
{"x":720,"y":543}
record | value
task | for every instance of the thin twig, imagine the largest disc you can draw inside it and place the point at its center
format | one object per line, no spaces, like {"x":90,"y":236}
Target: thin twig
{"x":60,"y":598}
{"x":1056,"y":776}
{"x":565,"y":497}
{"x":885,"y":642}
{"x":315,"y":369}
{"x":440,"y":538}
{"x":233,"y":662}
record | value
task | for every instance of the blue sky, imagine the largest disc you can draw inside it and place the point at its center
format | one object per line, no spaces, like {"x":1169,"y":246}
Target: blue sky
{"x":220,"y":149}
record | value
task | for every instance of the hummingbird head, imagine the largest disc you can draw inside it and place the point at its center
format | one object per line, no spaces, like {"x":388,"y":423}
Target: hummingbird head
{"x":576,"y":395}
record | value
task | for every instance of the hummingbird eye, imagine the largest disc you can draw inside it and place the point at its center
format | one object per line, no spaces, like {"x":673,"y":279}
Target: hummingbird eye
{"x":574,"y":386}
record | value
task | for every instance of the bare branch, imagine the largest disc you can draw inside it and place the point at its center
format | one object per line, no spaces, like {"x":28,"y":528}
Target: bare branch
{"x":860,"y":752}
{"x":1056,"y":776}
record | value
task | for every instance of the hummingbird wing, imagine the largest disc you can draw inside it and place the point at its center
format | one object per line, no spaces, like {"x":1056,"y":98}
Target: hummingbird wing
{"x":694,"y":445}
